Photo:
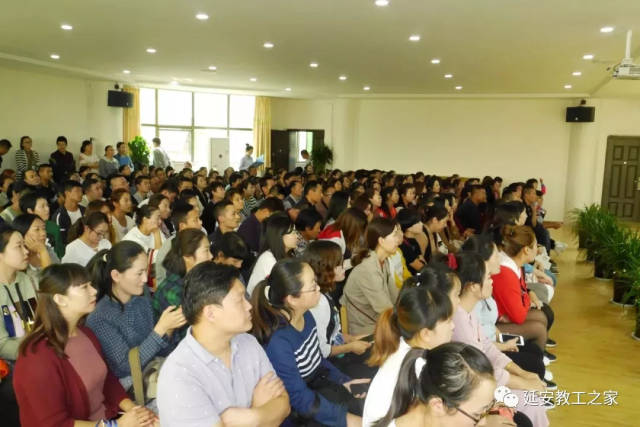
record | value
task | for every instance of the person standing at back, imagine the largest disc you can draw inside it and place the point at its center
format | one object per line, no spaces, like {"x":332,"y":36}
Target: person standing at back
{"x":62,"y":161}
{"x":160,"y":157}
{"x":26,"y":157}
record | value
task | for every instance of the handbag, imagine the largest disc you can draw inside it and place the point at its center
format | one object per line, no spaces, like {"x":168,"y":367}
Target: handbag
{"x":145,"y":383}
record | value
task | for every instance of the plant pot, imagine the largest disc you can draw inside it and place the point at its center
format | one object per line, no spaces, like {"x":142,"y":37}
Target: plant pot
{"x":582,"y":241}
{"x":600,"y":269}
{"x":620,"y":288}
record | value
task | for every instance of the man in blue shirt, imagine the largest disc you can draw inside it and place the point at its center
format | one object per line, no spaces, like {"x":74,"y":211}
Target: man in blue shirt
{"x":219,"y":375}
{"x":123,"y":158}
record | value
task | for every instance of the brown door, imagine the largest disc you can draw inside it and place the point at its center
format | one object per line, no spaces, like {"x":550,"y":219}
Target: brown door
{"x":621,"y":189}
{"x":279,"y":149}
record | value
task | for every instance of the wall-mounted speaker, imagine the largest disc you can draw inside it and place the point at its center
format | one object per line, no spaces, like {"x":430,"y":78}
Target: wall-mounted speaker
{"x":118,"y":98}
{"x":581,"y":114}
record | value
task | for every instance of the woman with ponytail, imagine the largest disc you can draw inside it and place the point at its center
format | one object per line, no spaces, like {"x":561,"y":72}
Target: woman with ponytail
{"x":94,"y":232}
{"x":123,"y":317}
{"x":61,"y":378}
{"x":450,"y":385}
{"x":371,"y":287}
{"x":520,"y":310}
{"x":421,"y":318}
{"x":477,"y":285}
{"x":319,"y":393}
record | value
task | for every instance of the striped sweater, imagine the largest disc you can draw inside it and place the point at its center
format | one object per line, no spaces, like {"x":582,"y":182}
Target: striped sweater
{"x":22,"y":162}
{"x":296,"y":358}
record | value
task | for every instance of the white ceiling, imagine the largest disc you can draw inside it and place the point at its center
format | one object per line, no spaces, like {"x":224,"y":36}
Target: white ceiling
{"x":491,"y":47}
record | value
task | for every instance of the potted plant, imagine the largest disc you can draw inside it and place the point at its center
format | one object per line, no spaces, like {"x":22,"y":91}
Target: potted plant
{"x":139,"y":152}
{"x":620,"y":254}
{"x":634,"y":294}
{"x":581,"y":219}
{"x":321,"y":157}
{"x":599,"y":230}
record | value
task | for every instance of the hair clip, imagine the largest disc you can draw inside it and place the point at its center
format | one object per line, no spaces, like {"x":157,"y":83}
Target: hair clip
{"x":419,"y":365}
{"x":104,"y":256}
{"x":452,"y":261}
{"x":266,"y":292}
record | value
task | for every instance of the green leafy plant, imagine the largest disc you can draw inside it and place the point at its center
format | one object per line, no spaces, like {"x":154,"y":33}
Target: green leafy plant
{"x":581,"y":220}
{"x":139,"y":151}
{"x":321,"y":157}
{"x":633,"y":294}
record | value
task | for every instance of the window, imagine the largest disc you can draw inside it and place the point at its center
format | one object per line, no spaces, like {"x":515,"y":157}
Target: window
{"x":185,"y":122}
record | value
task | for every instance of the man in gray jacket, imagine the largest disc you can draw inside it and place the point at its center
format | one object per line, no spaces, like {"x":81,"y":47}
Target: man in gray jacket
{"x":160,"y":157}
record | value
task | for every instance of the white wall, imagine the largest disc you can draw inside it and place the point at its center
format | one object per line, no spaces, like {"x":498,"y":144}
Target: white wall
{"x":44,"y":106}
{"x":514,"y":138}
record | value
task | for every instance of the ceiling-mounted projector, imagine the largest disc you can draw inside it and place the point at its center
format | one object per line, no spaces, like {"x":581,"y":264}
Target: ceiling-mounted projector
{"x":627,"y":70}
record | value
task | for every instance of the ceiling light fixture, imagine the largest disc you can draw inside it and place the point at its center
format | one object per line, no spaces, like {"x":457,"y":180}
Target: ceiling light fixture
{"x":202,"y":16}
{"x":54,"y":56}
{"x":576,"y":73}
{"x":343,"y":78}
{"x":588,"y":56}
{"x":458,"y":87}
{"x":288,"y":89}
{"x":151,"y":50}
{"x":568,"y":86}
{"x":253,"y":79}
{"x":66,"y":27}
{"x":212,"y":68}
{"x":174,"y":83}
{"x":435,"y":61}
{"x":414,"y":38}
{"x":268,"y":45}
{"x":606,"y":29}
{"x":367,"y":88}
{"x":313,"y":65}
{"x":448,"y":76}
{"x":126,"y":72}
{"x":382,"y":3}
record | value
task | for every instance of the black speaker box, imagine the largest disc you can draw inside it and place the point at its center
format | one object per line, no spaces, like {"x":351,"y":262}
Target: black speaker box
{"x":117,"y":98}
{"x":581,"y":114}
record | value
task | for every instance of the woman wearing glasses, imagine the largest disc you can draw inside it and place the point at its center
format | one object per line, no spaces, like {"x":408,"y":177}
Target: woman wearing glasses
{"x":94,"y":238}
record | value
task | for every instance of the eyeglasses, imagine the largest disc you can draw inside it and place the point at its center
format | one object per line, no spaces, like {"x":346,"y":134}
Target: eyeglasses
{"x":484,"y":414}
{"x":316,"y":288}
{"x":101,"y":234}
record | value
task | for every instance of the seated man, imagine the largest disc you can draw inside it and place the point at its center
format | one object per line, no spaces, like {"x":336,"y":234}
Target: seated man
{"x":219,"y":375}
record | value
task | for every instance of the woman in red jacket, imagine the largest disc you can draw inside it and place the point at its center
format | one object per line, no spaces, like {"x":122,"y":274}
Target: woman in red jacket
{"x":520,"y":310}
{"x":61,"y":378}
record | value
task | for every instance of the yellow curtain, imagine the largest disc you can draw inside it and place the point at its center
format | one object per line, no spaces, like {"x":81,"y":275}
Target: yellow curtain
{"x":131,"y":116}
{"x":262,"y":128}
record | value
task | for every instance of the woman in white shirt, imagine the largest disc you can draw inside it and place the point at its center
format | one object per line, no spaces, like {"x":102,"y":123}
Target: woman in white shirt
{"x":450,"y":385}
{"x":122,"y":205}
{"x":94,"y":237}
{"x":87,"y":158}
{"x":147,"y":230}
{"x":280,"y":240}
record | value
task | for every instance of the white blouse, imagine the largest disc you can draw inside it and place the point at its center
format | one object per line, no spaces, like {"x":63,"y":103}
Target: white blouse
{"x":81,"y":253}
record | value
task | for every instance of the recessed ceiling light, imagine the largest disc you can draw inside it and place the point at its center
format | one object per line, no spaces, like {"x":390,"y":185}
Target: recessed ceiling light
{"x":606,"y":29}
{"x":435,"y":61}
{"x":212,"y":68}
{"x":343,"y":78}
{"x":174,"y":83}
{"x":588,"y":56}
{"x":414,"y":38}
{"x":458,"y":87}
{"x":366,"y":88}
{"x":448,"y":76}
{"x":382,"y":3}
{"x":313,"y":65}
{"x":568,"y":86}
{"x":253,"y":79}
{"x":151,"y":50}
{"x":66,"y":27}
{"x":268,"y":45}
{"x":202,"y":16}
{"x":126,"y":72}
{"x":288,"y":89}
{"x":54,"y":56}
{"x":577,"y":73}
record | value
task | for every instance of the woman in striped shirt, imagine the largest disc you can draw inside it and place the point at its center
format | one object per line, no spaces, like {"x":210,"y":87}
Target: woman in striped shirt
{"x":320,"y":394}
{"x":26,"y":158}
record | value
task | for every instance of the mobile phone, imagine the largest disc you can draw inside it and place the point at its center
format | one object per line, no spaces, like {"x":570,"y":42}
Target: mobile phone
{"x":357,"y":389}
{"x":507,"y":337}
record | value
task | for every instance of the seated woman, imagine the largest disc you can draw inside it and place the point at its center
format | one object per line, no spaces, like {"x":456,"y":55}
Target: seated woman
{"x":61,"y":378}
{"x":371,"y":288}
{"x":319,"y":393}
{"x":435,"y":221}
{"x":280,"y":240}
{"x":390,"y":198}
{"x":477,"y":285}
{"x":520,"y":310}
{"x":412,"y":228}
{"x":189,"y":248}
{"x":161,"y":202}
{"x":347,"y":231}
{"x":347,"y":352}
{"x":41,"y":255}
{"x":104,"y":207}
{"x":122,"y":207}
{"x":337,"y":204}
{"x":435,"y":385}
{"x":421,"y":318}
{"x":376,"y":200}
{"x":36,"y":203}
{"x":147,"y":234}
{"x":94,"y":230}
{"x":123,"y":317}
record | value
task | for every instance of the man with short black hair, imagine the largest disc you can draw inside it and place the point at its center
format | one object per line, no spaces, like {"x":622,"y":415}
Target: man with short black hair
{"x":5,"y":146}
{"x":295,"y":195}
{"x":92,"y":189}
{"x":312,"y":195}
{"x":70,"y":211}
{"x":469,"y":214}
{"x":62,"y":161}
{"x":251,"y":228}
{"x":142,"y":183}
{"x":228,"y":219}
{"x":230,"y":249}
{"x":219,"y":375}
{"x":308,"y":223}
